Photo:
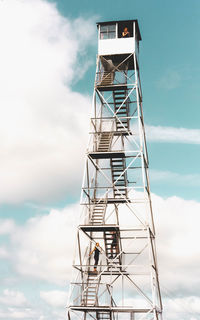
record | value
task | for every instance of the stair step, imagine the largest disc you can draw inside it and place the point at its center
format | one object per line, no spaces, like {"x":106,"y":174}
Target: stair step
{"x":122,"y":192}
{"x":124,"y":121}
{"x":104,"y":143}
{"x":118,"y":174}
{"x":121,"y":113}
{"x":98,"y":212}
{"x":97,"y":216}
{"x":103,"y":147}
{"x":119,"y":189}
{"x":119,"y":92}
{"x":120,"y":195}
{"x":105,"y":136}
{"x":117,"y":164}
{"x":117,"y":167}
{"x":122,"y":128}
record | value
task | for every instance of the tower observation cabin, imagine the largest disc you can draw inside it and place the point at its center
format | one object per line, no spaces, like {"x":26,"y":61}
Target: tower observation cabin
{"x":114,"y":40}
{"x":115,"y":264}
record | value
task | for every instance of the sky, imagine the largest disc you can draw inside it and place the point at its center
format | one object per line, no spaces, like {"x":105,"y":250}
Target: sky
{"x":47,"y":62}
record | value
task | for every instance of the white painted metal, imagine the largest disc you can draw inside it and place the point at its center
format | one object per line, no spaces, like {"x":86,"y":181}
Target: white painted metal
{"x":116,"y":202}
{"x":116,"y":46}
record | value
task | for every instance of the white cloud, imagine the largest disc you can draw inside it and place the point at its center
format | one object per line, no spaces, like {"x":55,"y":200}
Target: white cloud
{"x":12,"y":298}
{"x":3,"y":253}
{"x":6,"y":226}
{"x":171,"y":134}
{"x":20,"y":313}
{"x":43,"y":247}
{"x":177,"y":223}
{"x":43,"y":124}
{"x":178,"y":179}
{"x":182,"y":308}
{"x":55,"y":298}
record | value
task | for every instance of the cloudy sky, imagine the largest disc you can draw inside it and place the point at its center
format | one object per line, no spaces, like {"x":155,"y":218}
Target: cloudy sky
{"x":47,"y":68}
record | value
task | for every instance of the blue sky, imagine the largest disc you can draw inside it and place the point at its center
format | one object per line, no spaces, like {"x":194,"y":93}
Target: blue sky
{"x":47,"y":72}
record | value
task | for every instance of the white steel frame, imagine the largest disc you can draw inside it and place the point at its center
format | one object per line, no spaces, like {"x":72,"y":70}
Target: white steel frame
{"x":117,"y":153}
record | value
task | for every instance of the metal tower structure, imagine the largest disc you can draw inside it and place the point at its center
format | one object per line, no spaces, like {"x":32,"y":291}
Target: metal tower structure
{"x":116,"y":224}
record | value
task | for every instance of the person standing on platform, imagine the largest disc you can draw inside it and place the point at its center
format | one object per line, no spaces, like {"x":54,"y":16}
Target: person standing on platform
{"x":96,"y":251}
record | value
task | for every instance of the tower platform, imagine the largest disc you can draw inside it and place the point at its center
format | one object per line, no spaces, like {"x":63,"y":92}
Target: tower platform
{"x":119,"y":309}
{"x":106,"y":155}
{"x":103,"y":228}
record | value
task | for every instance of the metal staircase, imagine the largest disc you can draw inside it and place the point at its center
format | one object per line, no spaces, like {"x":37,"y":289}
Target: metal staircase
{"x":104,"y":142}
{"x":119,"y":178}
{"x":122,"y":121}
{"x":90,"y":293}
{"x":107,"y":78}
{"x":98,"y":214}
{"x":112,"y":253}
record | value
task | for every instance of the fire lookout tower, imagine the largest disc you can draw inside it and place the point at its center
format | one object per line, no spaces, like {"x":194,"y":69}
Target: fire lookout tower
{"x":115,"y":264}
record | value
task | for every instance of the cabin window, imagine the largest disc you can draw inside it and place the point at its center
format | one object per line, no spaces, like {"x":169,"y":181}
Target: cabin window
{"x":122,"y":26}
{"x":108,"y":31}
